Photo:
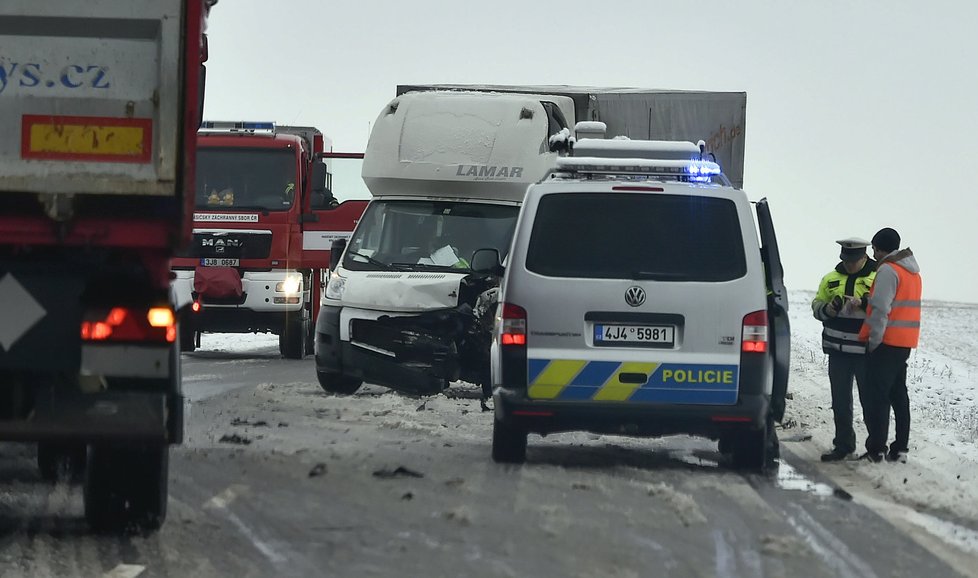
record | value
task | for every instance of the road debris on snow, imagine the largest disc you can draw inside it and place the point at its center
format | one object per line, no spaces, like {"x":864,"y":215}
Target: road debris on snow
{"x":235,"y":439}
{"x":398,"y":472}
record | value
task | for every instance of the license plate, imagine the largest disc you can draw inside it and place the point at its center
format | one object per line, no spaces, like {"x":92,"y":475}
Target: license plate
{"x":218,"y":262}
{"x":661,"y":335}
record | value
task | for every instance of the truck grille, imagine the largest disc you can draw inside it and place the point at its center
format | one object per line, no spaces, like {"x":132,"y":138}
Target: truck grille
{"x":231,"y":245}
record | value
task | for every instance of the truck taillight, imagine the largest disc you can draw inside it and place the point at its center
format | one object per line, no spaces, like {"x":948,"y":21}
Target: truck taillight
{"x":512,"y":329}
{"x":130,"y":324}
{"x":754,"y":338}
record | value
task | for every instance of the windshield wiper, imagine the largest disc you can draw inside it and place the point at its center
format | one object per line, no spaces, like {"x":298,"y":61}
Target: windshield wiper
{"x":264,"y":210}
{"x":430,"y":267}
{"x":371,"y":260}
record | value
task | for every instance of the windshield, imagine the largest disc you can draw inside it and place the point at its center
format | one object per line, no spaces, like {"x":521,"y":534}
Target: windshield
{"x":243,"y":178}
{"x":424,"y":235}
{"x":656,"y":237}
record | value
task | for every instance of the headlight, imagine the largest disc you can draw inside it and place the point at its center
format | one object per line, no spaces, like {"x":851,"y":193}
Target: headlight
{"x":335,"y":287}
{"x":291,"y":286}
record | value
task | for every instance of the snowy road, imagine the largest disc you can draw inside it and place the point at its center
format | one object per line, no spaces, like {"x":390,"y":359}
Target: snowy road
{"x":380,"y":484}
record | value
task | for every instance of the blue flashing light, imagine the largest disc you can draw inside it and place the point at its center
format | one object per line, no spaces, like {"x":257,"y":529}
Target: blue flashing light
{"x":257,"y":125}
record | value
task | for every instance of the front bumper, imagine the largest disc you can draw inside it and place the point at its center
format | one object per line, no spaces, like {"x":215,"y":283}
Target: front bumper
{"x":544,"y":417}
{"x":258,"y":292}
{"x":376,"y":365}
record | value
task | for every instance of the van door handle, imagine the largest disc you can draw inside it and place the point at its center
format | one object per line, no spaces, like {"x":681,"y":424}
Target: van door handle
{"x":639,"y":378}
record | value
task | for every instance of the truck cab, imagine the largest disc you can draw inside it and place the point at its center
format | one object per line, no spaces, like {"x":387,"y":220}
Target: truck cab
{"x":264,"y":219}
{"x":447,"y":171}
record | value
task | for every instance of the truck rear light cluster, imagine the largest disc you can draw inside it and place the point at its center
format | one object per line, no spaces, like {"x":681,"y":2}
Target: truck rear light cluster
{"x":754,"y":338}
{"x":130,"y":324}
{"x":512,"y":328}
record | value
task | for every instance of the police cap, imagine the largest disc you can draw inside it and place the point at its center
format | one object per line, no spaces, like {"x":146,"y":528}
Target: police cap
{"x":853,"y":248}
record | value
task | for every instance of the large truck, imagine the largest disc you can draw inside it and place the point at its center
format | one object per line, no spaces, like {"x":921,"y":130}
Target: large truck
{"x":448,"y":167}
{"x":102,"y":102}
{"x":264,"y":219}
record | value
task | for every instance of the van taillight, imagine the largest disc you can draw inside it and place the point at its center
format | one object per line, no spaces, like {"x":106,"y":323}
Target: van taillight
{"x":754,"y":337}
{"x":130,"y":324}
{"x":512,"y":329}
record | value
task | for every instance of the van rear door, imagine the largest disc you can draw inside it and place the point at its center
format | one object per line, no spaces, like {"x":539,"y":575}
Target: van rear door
{"x":777,"y":299}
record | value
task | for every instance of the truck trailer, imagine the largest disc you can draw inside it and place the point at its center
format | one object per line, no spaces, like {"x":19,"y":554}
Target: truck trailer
{"x":101,"y":102}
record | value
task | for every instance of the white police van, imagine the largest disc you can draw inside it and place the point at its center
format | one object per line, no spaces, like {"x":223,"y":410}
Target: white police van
{"x":640,"y":298}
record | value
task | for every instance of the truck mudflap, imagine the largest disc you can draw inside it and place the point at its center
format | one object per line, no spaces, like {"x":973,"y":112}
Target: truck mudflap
{"x":447,"y":344}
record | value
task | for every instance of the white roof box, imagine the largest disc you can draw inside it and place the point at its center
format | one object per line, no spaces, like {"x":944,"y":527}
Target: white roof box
{"x":636,"y":149}
{"x":459,"y":144}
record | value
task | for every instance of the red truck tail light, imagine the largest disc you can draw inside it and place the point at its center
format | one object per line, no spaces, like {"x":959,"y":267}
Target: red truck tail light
{"x":512,"y":329}
{"x":130,"y":324}
{"x":754,"y":338}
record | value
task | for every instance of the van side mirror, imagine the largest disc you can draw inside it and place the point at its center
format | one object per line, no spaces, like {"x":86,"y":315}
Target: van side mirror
{"x":336,"y":249}
{"x":486,"y":261}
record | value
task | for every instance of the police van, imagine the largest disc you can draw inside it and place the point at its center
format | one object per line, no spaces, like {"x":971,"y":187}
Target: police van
{"x":643,"y":295}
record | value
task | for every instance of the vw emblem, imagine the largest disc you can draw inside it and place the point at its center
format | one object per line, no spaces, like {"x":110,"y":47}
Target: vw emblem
{"x":635,"y":296}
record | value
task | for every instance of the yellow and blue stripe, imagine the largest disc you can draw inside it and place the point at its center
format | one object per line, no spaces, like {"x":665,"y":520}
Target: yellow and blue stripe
{"x":580,"y":380}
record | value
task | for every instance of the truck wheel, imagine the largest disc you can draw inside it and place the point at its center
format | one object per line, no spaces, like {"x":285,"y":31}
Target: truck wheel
{"x":126,"y":487}
{"x":749,"y":449}
{"x":292,"y":340}
{"x":58,"y":462}
{"x":508,"y":443}
{"x":338,"y":383}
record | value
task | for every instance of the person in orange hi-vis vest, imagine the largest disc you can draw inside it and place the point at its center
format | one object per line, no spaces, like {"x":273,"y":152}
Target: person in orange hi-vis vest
{"x":891,"y":330}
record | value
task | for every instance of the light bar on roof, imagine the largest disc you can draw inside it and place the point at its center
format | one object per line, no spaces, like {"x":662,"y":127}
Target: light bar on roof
{"x":230,"y":127}
{"x":602,"y":165}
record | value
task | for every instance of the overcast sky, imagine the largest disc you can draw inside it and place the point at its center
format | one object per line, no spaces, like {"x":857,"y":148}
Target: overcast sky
{"x":861,"y":114}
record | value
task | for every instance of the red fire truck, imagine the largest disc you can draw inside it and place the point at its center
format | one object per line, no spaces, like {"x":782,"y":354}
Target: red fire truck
{"x":101,"y":104}
{"x":265,"y":218}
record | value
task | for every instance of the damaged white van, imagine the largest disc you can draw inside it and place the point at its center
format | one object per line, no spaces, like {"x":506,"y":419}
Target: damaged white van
{"x":448,"y":172}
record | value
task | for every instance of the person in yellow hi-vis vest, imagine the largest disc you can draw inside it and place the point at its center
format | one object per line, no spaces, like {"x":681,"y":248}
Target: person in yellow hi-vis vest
{"x":840,"y":305}
{"x":891,"y":330}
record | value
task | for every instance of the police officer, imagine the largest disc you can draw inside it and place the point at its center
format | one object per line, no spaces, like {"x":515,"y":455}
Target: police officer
{"x":840,"y":305}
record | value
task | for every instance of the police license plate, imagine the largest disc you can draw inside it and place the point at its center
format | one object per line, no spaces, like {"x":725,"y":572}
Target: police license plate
{"x":218,"y":262}
{"x":605,"y":334}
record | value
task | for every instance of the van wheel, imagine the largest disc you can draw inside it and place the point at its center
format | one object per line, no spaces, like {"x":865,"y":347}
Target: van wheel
{"x":749,"y":449}
{"x":126,"y":487}
{"x":292,"y":340}
{"x":508,"y":443}
{"x":338,"y":383}
{"x":58,"y":462}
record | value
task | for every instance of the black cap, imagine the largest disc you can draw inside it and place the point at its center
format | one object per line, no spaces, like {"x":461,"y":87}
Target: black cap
{"x":886,"y":239}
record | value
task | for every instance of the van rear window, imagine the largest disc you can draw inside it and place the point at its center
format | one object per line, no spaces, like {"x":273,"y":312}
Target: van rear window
{"x":637,"y":236}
